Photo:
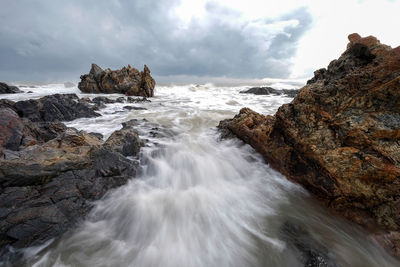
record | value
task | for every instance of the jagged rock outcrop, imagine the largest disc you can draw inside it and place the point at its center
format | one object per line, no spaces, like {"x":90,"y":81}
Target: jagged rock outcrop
{"x":340,"y":137}
{"x":8,"y":89}
{"x":271,"y":91}
{"x":128,"y":81}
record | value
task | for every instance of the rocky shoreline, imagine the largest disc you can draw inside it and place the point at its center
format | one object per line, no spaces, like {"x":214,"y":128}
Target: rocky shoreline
{"x":339,"y":137}
{"x":49,"y":173}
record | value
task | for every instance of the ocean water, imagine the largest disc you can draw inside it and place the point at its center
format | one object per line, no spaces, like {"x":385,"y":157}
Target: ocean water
{"x":199,"y":200}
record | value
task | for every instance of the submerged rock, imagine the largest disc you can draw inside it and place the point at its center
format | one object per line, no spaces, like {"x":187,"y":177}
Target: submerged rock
{"x":137,"y":100}
{"x":69,"y":84}
{"x":271,"y":91}
{"x":8,"y":89}
{"x":311,"y":252}
{"x":134,"y":108}
{"x":128,"y":81}
{"x":340,"y":137}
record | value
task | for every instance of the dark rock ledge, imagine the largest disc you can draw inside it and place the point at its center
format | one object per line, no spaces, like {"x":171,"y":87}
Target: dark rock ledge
{"x":340,"y":137}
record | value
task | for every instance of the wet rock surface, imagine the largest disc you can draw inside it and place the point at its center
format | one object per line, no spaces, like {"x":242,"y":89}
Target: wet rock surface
{"x":50,"y":174}
{"x":340,"y":137}
{"x":9,"y":89}
{"x":128,"y":81}
{"x":271,"y":91}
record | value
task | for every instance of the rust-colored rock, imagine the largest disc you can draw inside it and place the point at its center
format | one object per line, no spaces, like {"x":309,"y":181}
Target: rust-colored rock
{"x":340,"y":137}
{"x":128,"y":81}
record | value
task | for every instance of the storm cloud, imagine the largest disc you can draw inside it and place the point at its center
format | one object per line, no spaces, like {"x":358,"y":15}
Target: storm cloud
{"x":44,"y":40}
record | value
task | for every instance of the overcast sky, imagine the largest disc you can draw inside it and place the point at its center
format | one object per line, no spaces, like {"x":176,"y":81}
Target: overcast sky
{"x":56,"y":40}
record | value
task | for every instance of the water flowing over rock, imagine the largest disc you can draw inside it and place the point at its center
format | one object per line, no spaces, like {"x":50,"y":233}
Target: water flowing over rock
{"x":340,"y":137}
{"x":128,"y":81}
{"x":312,"y":253}
{"x":8,"y":89}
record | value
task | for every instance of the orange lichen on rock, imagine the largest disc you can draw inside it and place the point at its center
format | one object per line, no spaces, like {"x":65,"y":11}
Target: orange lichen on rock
{"x":340,"y":137}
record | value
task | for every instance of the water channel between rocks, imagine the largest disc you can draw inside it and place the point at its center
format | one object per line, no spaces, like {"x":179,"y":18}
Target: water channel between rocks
{"x":199,"y":201}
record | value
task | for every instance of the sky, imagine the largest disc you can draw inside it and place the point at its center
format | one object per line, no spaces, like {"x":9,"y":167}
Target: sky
{"x":185,"y":40}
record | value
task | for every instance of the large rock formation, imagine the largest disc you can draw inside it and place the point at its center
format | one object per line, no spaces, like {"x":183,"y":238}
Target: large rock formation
{"x":8,"y":89}
{"x":340,"y":137}
{"x":128,"y":81}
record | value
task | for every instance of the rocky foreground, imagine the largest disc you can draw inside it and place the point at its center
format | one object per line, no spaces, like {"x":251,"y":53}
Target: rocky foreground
{"x":128,"y":81}
{"x":49,"y":173}
{"x":340,"y":137}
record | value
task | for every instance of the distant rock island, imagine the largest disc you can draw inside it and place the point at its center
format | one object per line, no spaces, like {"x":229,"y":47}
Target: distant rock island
{"x":128,"y":81}
{"x":340,"y":137}
{"x":271,"y":91}
{"x":8,"y":89}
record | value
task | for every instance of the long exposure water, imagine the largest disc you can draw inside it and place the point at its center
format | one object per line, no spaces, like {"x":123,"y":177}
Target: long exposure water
{"x":199,"y":200}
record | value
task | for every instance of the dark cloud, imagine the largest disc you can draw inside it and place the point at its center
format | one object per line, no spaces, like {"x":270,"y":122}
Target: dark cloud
{"x":44,"y":40}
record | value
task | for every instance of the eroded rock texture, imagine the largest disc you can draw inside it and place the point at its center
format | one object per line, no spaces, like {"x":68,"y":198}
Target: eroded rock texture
{"x":340,"y":137}
{"x":128,"y":81}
